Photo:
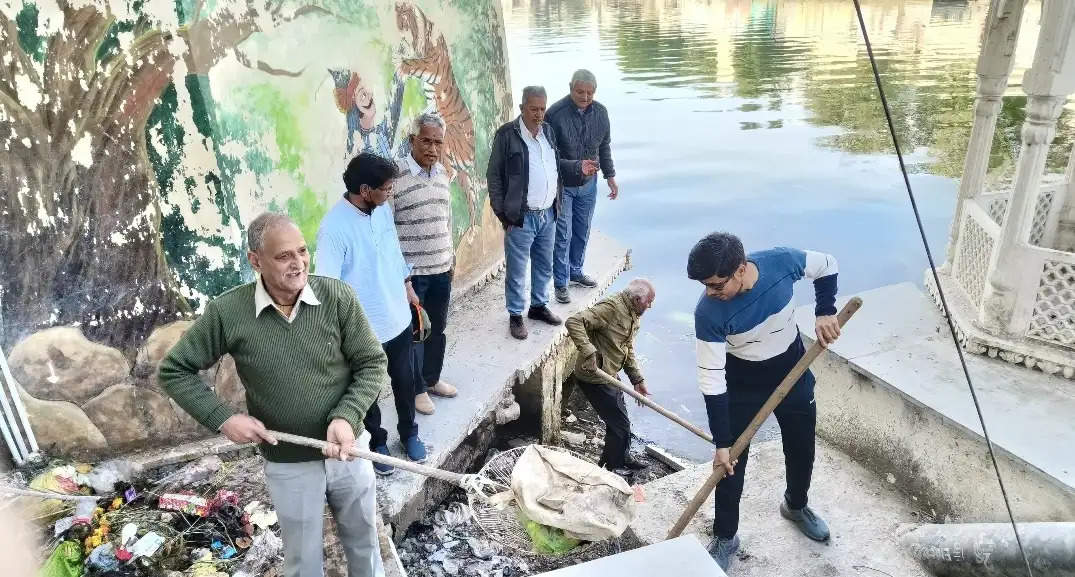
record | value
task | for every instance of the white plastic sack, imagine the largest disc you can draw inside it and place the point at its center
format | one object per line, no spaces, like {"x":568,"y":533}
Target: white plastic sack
{"x":557,"y":489}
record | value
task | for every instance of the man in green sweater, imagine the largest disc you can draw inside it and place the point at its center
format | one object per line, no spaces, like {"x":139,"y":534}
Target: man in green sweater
{"x":311,"y":366}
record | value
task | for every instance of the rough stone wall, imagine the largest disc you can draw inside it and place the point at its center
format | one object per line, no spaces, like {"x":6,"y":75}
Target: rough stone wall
{"x":139,"y":138}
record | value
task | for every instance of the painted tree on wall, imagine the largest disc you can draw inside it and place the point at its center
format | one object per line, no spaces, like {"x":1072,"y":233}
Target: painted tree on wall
{"x":80,"y":221}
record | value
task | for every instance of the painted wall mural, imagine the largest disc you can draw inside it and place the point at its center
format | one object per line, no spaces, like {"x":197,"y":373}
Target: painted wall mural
{"x":138,"y":137}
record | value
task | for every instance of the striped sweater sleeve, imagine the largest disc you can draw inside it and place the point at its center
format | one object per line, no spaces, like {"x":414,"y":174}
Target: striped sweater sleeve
{"x":711,"y":350}
{"x":822,"y":269}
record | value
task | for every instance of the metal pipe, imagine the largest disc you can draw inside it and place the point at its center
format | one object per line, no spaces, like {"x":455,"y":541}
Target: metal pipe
{"x":16,"y":455}
{"x":990,"y":549}
{"x":11,"y":427}
{"x":20,"y":408}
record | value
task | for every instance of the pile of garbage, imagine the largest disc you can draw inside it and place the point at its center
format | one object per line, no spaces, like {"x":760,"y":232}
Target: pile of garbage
{"x":185,"y":524}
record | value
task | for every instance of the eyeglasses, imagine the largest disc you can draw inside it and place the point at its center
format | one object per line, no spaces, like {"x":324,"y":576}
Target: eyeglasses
{"x":430,"y":141}
{"x":718,"y":287}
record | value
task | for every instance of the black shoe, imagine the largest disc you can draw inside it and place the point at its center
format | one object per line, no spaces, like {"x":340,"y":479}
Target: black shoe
{"x":562,"y":296}
{"x":543,"y":314}
{"x":633,"y":464}
{"x":807,"y":521}
{"x":722,"y":550}
{"x":584,"y":280}
{"x":517,"y":328}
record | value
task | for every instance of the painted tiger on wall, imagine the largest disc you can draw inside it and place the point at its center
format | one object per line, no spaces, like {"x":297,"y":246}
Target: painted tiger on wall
{"x":426,"y":57}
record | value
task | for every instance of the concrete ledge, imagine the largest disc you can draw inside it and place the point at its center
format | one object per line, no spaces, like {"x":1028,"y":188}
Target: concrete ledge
{"x":683,"y":557}
{"x":863,"y":511}
{"x":892,"y":395}
{"x":486,"y":364}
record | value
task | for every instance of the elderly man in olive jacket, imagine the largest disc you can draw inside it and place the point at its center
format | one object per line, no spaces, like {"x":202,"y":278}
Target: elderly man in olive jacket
{"x":604,"y":335}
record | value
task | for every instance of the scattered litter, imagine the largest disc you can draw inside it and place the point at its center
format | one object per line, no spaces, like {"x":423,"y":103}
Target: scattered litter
{"x":62,"y":526}
{"x":549,"y":540}
{"x":261,"y":515}
{"x":65,"y":561}
{"x":192,"y":474}
{"x":264,"y":552}
{"x":573,"y":438}
{"x":102,"y":559}
{"x":147,"y":546}
{"x":105,"y":476}
{"x":185,"y":503}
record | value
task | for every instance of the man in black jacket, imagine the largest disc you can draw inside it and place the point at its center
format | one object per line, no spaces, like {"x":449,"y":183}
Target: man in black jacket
{"x":582,"y":132}
{"x":525,"y":190}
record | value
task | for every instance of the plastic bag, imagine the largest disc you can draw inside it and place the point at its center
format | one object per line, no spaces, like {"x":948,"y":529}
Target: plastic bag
{"x":65,"y":561}
{"x":560,"y":490}
{"x":548,"y":540}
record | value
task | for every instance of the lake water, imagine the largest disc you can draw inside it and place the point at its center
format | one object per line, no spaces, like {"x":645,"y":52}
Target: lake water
{"x":761,"y":118}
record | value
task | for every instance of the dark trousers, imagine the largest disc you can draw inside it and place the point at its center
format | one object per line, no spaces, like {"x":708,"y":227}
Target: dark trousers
{"x":434,"y":291}
{"x":610,"y":406}
{"x":400,"y":351}
{"x":797,"y":416}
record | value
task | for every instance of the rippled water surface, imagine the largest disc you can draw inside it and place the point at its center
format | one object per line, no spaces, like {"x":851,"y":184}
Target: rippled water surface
{"x":761,"y":118}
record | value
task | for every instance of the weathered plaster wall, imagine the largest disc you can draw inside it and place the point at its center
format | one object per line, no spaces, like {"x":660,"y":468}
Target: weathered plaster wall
{"x":137,"y":139}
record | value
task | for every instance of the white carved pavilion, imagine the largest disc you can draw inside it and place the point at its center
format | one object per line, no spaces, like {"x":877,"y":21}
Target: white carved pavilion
{"x":1010,"y":272}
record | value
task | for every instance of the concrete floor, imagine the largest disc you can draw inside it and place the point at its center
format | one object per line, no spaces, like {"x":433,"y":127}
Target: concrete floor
{"x":864,"y":514}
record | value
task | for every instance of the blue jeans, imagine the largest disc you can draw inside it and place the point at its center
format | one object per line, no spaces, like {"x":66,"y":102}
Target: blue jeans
{"x":533,"y":242}
{"x":573,"y":231}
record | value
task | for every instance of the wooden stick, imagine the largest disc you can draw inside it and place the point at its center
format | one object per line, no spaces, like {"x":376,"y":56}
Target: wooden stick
{"x":449,"y":476}
{"x":614,"y":382}
{"x":48,"y":495}
{"x":744,"y":439}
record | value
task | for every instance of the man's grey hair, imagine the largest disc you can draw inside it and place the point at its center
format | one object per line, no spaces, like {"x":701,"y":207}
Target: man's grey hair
{"x":640,"y":288}
{"x":583,"y":75}
{"x":426,"y":119}
{"x":262,"y":224}
{"x":532,"y":91}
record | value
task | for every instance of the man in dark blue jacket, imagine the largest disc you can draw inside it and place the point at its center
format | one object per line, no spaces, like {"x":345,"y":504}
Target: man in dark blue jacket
{"x":525,"y":185}
{"x":582,"y":133}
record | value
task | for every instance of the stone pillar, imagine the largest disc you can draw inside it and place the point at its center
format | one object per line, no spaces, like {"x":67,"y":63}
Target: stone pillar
{"x":1048,"y":82}
{"x":994,"y":66}
{"x":1064,"y":233}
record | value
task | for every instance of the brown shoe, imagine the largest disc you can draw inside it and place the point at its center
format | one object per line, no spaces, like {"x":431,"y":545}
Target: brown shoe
{"x":543,"y":314}
{"x":442,"y":389}
{"x":423,"y":404}
{"x":517,"y":328}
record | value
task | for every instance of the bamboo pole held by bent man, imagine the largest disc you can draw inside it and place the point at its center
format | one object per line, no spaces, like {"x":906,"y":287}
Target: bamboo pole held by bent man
{"x":616,"y":383}
{"x":770,"y":405}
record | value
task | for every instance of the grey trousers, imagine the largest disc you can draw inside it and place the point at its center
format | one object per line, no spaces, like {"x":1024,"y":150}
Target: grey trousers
{"x":299,"y":492}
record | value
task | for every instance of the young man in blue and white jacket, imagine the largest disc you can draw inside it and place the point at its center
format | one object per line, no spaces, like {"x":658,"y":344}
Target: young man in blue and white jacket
{"x":747,"y":342}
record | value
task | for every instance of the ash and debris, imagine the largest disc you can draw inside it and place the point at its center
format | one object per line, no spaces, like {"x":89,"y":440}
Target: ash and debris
{"x":447,"y":542}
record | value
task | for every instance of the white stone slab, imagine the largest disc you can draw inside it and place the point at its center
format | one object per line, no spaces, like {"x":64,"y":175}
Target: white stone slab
{"x":682,"y":557}
{"x":900,"y":339}
{"x":889,"y":317}
{"x":1029,"y":414}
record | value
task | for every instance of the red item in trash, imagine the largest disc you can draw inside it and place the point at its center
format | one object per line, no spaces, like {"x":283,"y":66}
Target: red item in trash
{"x":185,"y":503}
{"x":225,"y":497}
{"x":123,"y":555}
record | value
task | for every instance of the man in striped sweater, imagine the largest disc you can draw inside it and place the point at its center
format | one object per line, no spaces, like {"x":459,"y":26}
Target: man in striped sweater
{"x":312,"y":366}
{"x":747,"y":341}
{"x":422,"y":207}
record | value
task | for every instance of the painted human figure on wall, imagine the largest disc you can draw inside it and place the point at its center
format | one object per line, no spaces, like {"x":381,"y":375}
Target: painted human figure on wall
{"x":356,"y":101}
